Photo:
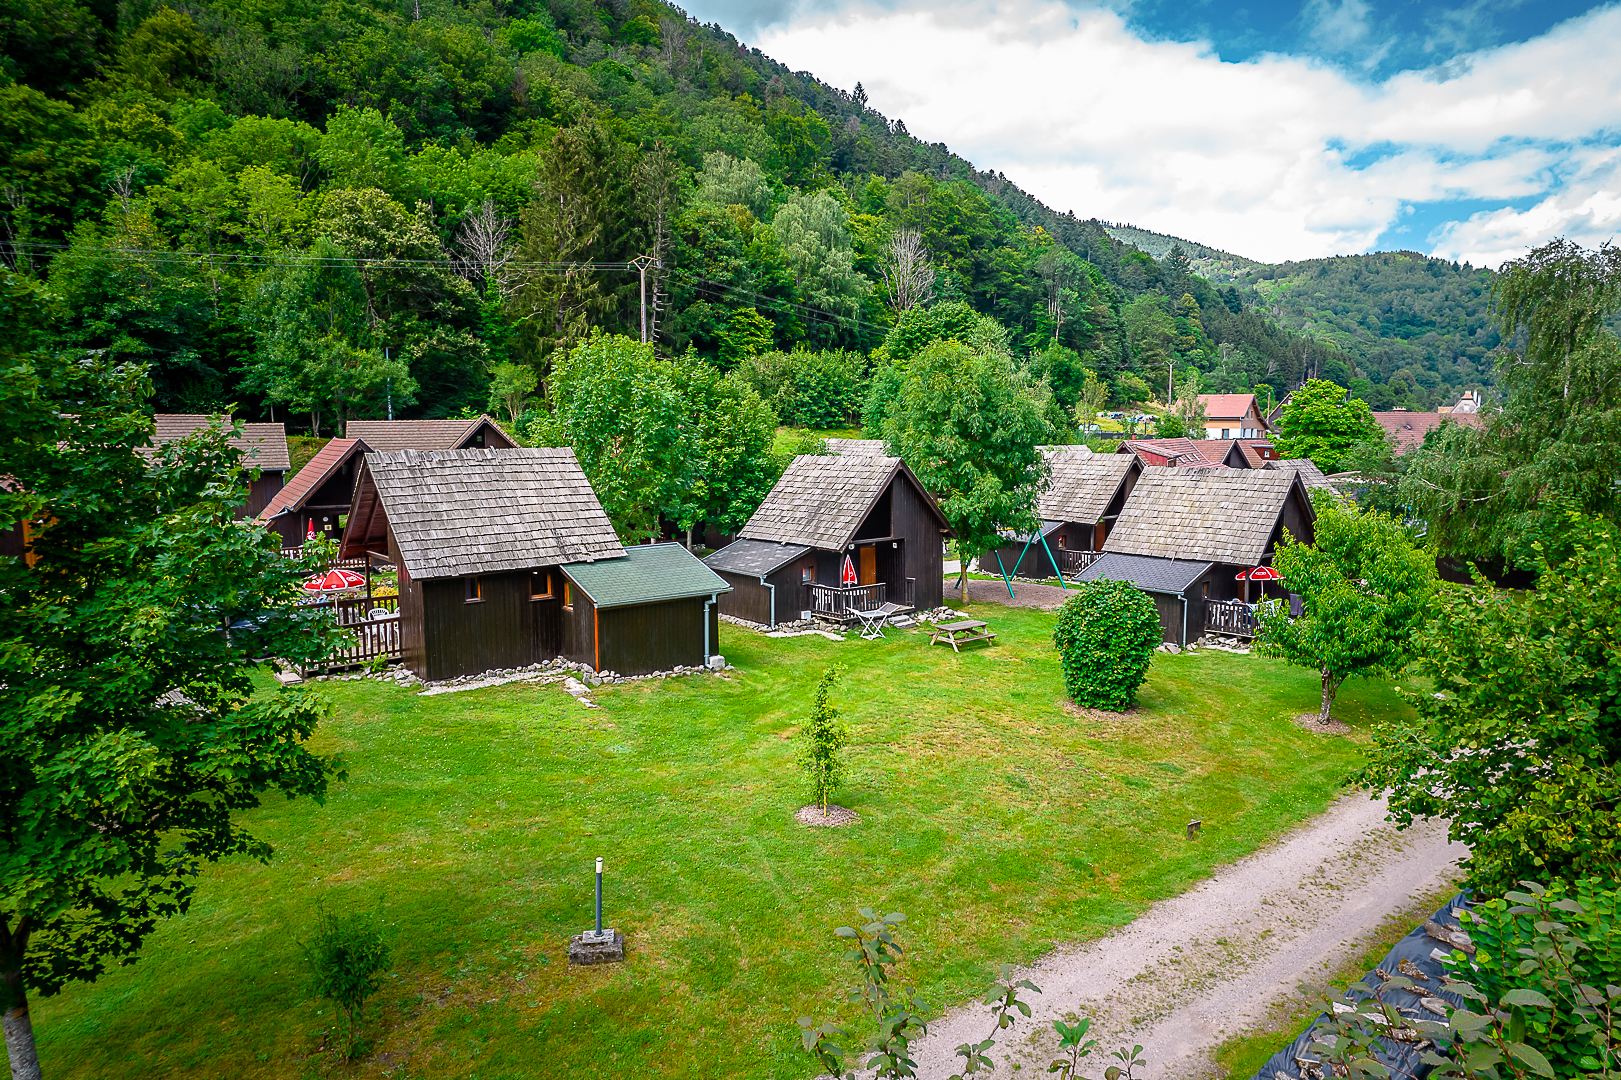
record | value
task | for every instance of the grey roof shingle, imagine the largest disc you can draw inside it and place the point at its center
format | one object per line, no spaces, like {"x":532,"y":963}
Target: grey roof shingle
{"x":386,"y":435}
{"x":757,"y":557}
{"x":1081,"y":484}
{"x":1217,"y":515}
{"x":1310,"y":474}
{"x":647,"y":574}
{"x":855,"y":446}
{"x":821,"y":501}
{"x":1146,"y":572}
{"x":263,"y":446}
{"x":457,"y":512}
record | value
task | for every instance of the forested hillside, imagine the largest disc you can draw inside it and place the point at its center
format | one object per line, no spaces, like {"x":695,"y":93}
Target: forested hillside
{"x":1414,"y":330}
{"x":321,"y":210}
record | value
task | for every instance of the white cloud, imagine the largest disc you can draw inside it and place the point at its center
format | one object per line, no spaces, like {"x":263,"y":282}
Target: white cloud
{"x":1277,"y":157}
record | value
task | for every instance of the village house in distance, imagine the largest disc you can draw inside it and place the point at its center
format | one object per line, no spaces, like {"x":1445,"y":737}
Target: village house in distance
{"x":506,"y":558}
{"x":857,"y":505}
{"x":1233,"y":416}
{"x":1186,"y":535}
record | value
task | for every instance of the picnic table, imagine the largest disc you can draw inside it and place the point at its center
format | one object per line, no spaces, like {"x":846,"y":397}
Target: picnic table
{"x":960,"y":632}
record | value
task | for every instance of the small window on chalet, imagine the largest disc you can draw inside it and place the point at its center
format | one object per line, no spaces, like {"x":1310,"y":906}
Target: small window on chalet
{"x":540,"y":585}
{"x":807,"y":573}
{"x":1060,"y":539}
{"x":568,"y":594}
{"x":472,"y":590}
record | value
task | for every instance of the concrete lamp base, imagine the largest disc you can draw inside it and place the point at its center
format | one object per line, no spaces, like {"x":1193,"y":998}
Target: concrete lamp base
{"x":588,"y":948}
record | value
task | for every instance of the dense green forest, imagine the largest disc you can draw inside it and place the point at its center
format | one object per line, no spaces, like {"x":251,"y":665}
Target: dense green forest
{"x":317,"y":210}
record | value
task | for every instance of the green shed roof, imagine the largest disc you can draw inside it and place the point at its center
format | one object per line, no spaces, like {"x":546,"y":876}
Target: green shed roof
{"x":647,"y":574}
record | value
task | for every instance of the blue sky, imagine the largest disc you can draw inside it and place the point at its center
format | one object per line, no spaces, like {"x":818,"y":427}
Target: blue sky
{"x":1273,"y":129}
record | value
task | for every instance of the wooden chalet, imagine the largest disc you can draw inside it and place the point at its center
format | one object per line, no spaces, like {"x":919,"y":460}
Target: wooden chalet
{"x":318,"y":496}
{"x":1185,"y":535}
{"x":1079,"y":504}
{"x":506,"y":558}
{"x":263,"y":446}
{"x":869,"y":508}
{"x":384,"y":436}
{"x":1309,"y":473}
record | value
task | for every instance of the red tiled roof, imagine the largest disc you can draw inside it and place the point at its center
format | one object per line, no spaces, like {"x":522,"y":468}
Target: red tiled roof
{"x":1409,"y":428}
{"x":327,"y":461}
{"x":1228,"y":406}
{"x":1184,"y":453}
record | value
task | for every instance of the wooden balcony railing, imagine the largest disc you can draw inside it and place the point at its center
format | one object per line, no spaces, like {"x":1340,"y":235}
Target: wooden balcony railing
{"x":1072,"y":561}
{"x":839,"y":600}
{"x":367,"y":629}
{"x":1233,"y":617}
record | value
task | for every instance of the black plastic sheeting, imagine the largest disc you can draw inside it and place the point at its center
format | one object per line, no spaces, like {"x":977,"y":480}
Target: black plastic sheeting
{"x":1422,"y":949}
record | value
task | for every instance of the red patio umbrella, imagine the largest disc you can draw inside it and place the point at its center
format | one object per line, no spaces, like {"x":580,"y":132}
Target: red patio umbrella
{"x":848,"y":576}
{"x":311,"y":534}
{"x":334,"y":581}
{"x":1258,"y":573}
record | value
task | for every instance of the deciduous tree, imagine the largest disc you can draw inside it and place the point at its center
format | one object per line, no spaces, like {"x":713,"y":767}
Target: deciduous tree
{"x":1323,"y":422}
{"x":1366,"y":587}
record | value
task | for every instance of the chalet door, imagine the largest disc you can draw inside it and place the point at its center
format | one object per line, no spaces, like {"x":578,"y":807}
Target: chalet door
{"x":1102,"y":531}
{"x":867,"y":572}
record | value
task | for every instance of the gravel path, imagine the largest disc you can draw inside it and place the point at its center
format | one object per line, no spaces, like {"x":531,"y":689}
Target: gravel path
{"x":994,"y":592}
{"x":1201,"y":967}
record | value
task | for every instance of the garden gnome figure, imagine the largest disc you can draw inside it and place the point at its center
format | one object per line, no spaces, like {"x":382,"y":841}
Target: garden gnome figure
{"x":597,"y":946}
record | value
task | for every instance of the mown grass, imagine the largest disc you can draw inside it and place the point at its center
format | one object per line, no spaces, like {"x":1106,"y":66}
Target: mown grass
{"x":997,"y":818}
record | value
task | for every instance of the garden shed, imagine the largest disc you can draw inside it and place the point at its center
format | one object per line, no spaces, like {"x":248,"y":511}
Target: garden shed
{"x":1230,"y":519}
{"x":506,"y":558}
{"x":482,"y":433}
{"x":263,"y":446}
{"x":1079,"y":504}
{"x":318,"y":496}
{"x":865,"y":509}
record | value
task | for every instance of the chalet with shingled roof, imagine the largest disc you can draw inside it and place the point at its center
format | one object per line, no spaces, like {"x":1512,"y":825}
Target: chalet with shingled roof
{"x":862,"y":508}
{"x":1185,"y":535}
{"x":384,"y":436}
{"x":263,"y":446}
{"x":1078,"y":505}
{"x":506,"y":558}
{"x":318,"y":496}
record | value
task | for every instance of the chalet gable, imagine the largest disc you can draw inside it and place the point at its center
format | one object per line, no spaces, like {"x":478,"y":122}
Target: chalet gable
{"x":821,"y":501}
{"x":1080,"y":486}
{"x":466,"y":512}
{"x":390,"y":435}
{"x":1208,"y":515}
{"x":263,"y":446}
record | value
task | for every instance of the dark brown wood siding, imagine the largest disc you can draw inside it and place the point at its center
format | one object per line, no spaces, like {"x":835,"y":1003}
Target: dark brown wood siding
{"x":579,"y":630}
{"x":652,"y":637}
{"x":324,"y":505}
{"x":413,"y":637}
{"x":1296,"y":518}
{"x":261,"y":491}
{"x":913,"y":521}
{"x":748,"y":599}
{"x":469,"y":637}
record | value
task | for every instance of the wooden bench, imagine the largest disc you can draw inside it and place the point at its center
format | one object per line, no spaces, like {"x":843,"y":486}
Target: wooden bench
{"x":960,"y":632}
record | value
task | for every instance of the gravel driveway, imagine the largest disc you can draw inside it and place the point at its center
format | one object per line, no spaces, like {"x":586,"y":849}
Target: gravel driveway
{"x":994,"y":592}
{"x":1198,"y":968}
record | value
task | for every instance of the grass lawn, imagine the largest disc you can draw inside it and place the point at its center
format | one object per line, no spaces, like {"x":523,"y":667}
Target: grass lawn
{"x":997,"y":819}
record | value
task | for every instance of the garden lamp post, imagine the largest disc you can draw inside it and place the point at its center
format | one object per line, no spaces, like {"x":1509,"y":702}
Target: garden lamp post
{"x":599,"y":945}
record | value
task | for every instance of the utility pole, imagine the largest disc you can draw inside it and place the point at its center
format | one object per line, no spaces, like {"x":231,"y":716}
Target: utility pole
{"x":641,"y":263}
{"x":388,"y":386}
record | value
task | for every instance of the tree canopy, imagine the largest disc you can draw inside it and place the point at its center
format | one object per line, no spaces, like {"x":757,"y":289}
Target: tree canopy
{"x":1321,"y":421}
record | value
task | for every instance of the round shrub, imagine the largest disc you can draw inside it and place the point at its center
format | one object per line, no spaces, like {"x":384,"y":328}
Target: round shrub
{"x":1106,"y":634}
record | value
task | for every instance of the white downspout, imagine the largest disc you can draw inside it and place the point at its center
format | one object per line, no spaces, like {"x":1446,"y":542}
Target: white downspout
{"x":707,"y":605}
{"x":773,"y":589}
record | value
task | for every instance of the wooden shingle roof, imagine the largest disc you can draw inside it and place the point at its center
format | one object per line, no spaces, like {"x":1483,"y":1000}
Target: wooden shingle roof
{"x":263,"y":446}
{"x":821,"y":500}
{"x":1210,"y":515}
{"x":1310,"y":474}
{"x":387,"y":435}
{"x":1081,"y":485}
{"x":456,"y":512}
{"x":855,"y":446}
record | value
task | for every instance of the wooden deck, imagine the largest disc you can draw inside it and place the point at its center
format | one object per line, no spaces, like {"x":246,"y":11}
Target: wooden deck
{"x":1232,"y":617}
{"x":840,"y":603}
